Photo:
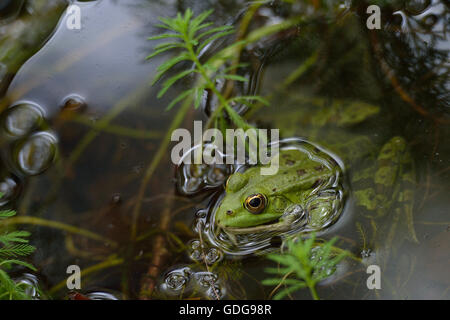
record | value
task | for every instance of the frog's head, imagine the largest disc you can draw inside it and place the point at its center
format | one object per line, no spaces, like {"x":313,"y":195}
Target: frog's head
{"x":247,"y":205}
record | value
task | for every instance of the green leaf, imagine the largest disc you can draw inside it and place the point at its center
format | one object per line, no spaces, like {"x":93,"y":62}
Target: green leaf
{"x":279,"y":270}
{"x":166,"y":66}
{"x":165,"y":36}
{"x":236,"y":118}
{"x":284,"y":292}
{"x":171,"y":81}
{"x":198,"y":96}
{"x":182,"y":96}
{"x":275,"y":281}
{"x":7,"y":214}
{"x":20,"y":263}
{"x":157,"y":52}
{"x":194,"y":30}
{"x":224,"y":54}
{"x":234,"y":77}
{"x":15,"y":236}
{"x":233,"y":67}
{"x":200,"y":18}
{"x":214,"y":30}
{"x":17,"y":250}
{"x":212,"y":38}
{"x":169,"y":46}
{"x":250,"y":98}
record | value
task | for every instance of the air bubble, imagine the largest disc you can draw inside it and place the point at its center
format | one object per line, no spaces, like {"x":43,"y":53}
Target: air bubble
{"x":177,"y":280}
{"x":36,"y":154}
{"x":73,"y":103}
{"x":31,"y":284}
{"x":21,"y":119}
{"x":10,"y":189}
{"x":416,"y":7}
{"x":206,"y":279}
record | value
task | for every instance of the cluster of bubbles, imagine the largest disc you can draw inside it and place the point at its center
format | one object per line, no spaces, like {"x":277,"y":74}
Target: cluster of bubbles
{"x":184,"y":280}
{"x":200,"y":252}
{"x":28,"y":148}
{"x":194,"y":178}
{"x":417,"y":15}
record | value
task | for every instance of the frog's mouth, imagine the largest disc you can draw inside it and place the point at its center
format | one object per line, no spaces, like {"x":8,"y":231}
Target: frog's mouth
{"x":274,"y":225}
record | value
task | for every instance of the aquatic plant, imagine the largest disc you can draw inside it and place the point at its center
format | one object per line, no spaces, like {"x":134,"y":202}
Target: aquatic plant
{"x":304,"y":264}
{"x":13,"y":246}
{"x":191,"y":36}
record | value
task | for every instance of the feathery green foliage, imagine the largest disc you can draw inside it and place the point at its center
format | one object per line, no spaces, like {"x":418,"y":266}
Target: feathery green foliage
{"x":13,"y":245}
{"x":190,"y":36}
{"x":303,"y":265}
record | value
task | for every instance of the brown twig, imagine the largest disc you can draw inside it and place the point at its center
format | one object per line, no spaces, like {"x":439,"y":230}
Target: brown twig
{"x":160,"y":254}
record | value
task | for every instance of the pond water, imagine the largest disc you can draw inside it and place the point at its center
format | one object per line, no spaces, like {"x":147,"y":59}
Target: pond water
{"x":82,"y":144}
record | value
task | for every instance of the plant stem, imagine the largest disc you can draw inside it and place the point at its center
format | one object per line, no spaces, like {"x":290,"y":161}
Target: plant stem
{"x":312,"y":289}
{"x":57,"y":225}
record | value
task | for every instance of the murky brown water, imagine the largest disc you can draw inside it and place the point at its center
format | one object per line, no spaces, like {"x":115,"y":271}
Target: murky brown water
{"x":81,"y":125}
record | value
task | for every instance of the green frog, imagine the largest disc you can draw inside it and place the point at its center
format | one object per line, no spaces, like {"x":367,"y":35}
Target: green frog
{"x":387,"y":187}
{"x":381,"y":170}
{"x":304,"y":190}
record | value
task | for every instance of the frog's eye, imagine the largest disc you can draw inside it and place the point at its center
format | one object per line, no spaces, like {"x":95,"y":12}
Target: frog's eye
{"x":255,"y":203}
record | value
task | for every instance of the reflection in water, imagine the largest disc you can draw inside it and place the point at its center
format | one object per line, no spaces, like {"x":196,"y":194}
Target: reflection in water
{"x":396,"y":83}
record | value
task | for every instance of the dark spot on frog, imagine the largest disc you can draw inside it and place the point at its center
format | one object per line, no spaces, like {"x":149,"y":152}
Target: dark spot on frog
{"x":289,"y":162}
{"x":274,"y":189}
{"x":319,"y":168}
{"x":301,"y":172}
{"x":230,"y":212}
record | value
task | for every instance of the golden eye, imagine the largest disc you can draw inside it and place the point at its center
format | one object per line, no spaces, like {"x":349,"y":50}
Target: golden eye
{"x":255,"y":203}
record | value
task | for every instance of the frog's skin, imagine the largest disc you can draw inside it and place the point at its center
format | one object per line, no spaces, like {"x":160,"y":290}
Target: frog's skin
{"x":286,"y":195}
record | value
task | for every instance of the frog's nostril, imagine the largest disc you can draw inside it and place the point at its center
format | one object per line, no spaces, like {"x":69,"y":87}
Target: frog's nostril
{"x":230,"y":212}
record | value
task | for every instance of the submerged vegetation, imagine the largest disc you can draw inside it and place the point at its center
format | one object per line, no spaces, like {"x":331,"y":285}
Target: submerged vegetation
{"x":304,"y":264}
{"x":191,"y":36}
{"x":332,"y":81}
{"x":13,"y":246}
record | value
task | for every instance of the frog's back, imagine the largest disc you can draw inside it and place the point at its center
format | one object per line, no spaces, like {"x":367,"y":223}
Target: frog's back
{"x":297,"y":170}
